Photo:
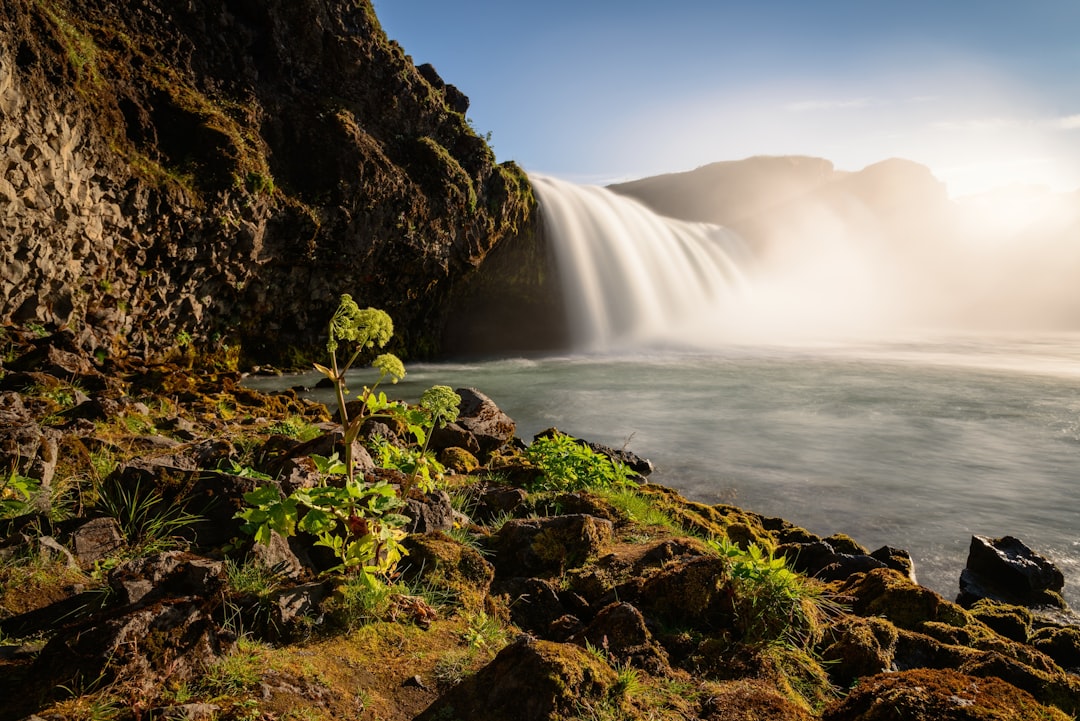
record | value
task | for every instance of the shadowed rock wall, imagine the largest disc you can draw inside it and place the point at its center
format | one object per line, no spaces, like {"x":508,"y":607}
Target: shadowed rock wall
{"x":221,"y":170}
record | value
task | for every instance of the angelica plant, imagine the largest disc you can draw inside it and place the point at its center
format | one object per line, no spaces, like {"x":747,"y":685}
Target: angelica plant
{"x":363,"y":329}
{"x":441,"y":402}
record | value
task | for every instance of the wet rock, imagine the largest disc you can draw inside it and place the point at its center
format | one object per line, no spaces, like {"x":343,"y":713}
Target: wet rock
{"x":938,"y":695}
{"x":898,"y":560}
{"x":843,"y":543}
{"x":549,"y":545}
{"x":482,"y":418}
{"x":1006,"y":570}
{"x":529,"y":680}
{"x":637,"y":464}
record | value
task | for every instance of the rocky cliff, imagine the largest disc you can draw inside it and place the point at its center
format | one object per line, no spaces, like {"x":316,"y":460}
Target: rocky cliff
{"x":217,"y":172}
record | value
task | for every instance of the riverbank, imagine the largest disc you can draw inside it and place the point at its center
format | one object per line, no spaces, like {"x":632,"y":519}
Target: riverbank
{"x":130,"y":589}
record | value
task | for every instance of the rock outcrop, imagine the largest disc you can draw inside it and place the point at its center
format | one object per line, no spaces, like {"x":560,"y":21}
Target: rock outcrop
{"x":217,"y":172}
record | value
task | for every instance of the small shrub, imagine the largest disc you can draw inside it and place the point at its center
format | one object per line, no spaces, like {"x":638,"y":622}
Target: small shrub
{"x":567,"y":465}
{"x":773,"y":604}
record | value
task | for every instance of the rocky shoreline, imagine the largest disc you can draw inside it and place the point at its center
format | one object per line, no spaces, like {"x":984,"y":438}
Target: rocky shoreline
{"x":129,"y":590}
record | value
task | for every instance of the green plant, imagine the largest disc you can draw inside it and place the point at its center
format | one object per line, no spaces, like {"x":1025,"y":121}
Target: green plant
{"x":357,"y":522}
{"x":441,"y":403}
{"x":295,"y":427}
{"x":363,"y":329}
{"x":236,"y":673}
{"x":147,"y":520}
{"x":774,"y":606}
{"x":640,"y":509}
{"x":235,"y":468}
{"x":358,"y":601}
{"x":17,"y":494}
{"x":485,"y":633}
{"x":567,"y":465}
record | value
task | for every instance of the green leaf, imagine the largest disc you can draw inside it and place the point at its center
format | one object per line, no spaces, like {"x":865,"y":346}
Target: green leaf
{"x":263,"y":535}
{"x":263,"y":496}
{"x":317,"y":521}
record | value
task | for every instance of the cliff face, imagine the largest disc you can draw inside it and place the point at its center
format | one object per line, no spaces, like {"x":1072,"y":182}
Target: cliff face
{"x":222,"y":170}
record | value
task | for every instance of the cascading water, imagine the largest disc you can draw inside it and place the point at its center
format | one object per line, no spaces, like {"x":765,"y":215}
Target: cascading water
{"x":629,"y":275}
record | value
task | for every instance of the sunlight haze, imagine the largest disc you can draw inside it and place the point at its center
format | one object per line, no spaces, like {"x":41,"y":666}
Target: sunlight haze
{"x":983,"y":93}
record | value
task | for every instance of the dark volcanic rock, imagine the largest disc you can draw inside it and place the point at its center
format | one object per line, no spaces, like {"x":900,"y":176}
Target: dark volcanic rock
{"x":225,"y":171}
{"x":482,"y":418}
{"x":1006,"y":570}
{"x":529,"y":680}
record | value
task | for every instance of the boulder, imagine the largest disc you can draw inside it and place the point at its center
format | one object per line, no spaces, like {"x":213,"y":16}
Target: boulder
{"x":437,"y":559}
{"x":482,"y":418}
{"x":540,"y":546}
{"x":529,"y":680}
{"x":941,"y":695}
{"x":620,"y":630}
{"x":1004,"y":569}
{"x":428,"y":513}
{"x":96,"y":539}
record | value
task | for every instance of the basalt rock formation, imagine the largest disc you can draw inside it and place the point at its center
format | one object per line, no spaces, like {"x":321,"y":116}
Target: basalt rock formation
{"x":219,"y":171}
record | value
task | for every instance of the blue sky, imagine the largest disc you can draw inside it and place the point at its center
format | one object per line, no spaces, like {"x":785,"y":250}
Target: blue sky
{"x":985,"y":93}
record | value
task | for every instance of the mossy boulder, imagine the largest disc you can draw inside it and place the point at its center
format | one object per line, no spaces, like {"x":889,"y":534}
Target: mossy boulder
{"x":446,"y":564}
{"x":527,"y":547}
{"x":748,"y":700}
{"x":857,"y":647}
{"x":1061,"y":643}
{"x":529,"y":680}
{"x":690,"y":592}
{"x":888,"y":593}
{"x":938,"y":695}
{"x":1010,"y":621}
{"x":458,"y":459}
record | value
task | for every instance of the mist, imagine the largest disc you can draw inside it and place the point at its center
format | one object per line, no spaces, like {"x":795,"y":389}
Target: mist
{"x":802,"y":253}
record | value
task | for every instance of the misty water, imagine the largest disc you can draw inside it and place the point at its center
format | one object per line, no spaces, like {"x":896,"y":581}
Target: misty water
{"x":916,"y":444}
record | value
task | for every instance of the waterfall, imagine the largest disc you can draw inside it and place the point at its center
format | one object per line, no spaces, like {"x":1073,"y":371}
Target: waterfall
{"x":630,"y":276}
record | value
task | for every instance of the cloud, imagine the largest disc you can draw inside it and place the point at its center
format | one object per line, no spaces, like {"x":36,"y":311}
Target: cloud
{"x":991,"y":123}
{"x":1069,"y":122}
{"x":809,"y":105}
